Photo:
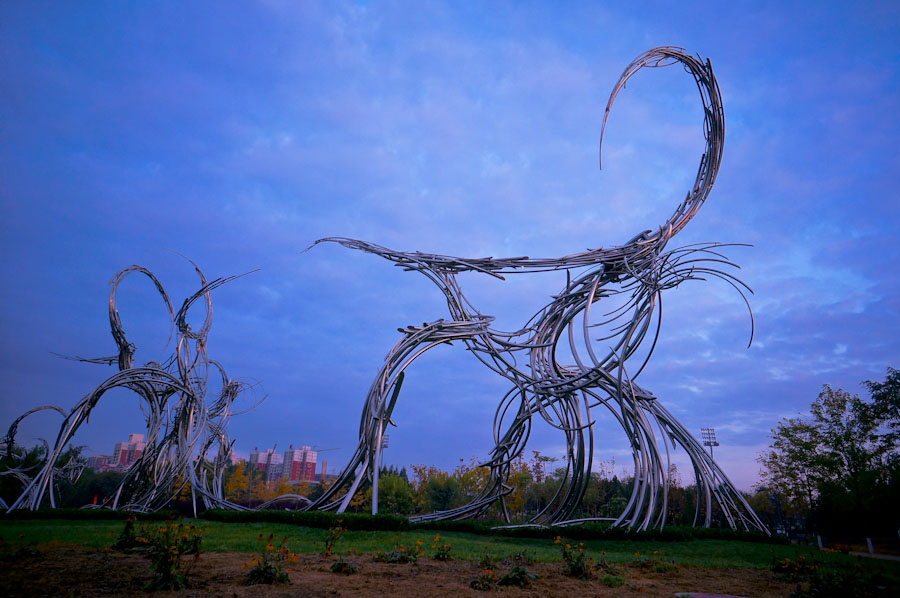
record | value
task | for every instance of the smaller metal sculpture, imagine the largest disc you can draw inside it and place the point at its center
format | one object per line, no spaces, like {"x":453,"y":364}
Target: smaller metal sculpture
{"x":185,"y":426}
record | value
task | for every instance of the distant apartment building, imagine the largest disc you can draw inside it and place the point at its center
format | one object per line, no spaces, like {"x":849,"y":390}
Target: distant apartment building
{"x":299,"y":464}
{"x":268,"y":462}
{"x":100,"y":462}
{"x":124,"y":454}
{"x":295,"y":465}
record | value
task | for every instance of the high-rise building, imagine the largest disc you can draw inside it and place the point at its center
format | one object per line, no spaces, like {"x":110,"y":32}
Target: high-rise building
{"x":100,"y":462}
{"x":294,"y":465}
{"x":126,"y":453}
{"x":299,"y":464}
{"x":267,"y":461}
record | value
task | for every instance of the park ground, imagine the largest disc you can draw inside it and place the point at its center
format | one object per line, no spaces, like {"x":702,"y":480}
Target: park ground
{"x":73,"y":558}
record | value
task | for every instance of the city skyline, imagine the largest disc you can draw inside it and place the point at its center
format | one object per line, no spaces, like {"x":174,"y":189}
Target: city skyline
{"x":237,"y":136}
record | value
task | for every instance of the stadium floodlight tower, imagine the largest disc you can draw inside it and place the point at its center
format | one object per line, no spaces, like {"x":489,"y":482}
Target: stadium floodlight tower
{"x":709,"y":439}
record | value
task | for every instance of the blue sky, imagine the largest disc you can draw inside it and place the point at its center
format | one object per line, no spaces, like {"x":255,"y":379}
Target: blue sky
{"x":236,"y":136}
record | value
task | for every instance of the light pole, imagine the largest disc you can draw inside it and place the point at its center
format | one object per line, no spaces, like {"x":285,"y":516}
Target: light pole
{"x":709,"y":439}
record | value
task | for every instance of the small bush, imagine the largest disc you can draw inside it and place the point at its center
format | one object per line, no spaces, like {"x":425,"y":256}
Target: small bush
{"x":484,"y":582}
{"x":333,"y":537}
{"x":319,"y":519}
{"x":441,"y":551}
{"x":517,"y":576}
{"x":167,"y":544}
{"x":86,"y":515}
{"x":268,"y":567}
{"x":127,"y":538}
{"x":796,"y":568}
{"x":521,"y":558}
{"x":487,"y":561}
{"x":344,"y":567}
{"x":401,"y":554}
{"x":575,"y":564}
{"x":651,"y":563}
{"x":827,"y":580}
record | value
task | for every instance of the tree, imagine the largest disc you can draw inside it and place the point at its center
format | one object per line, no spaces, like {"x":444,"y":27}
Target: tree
{"x":792,"y":466}
{"x":886,"y":398}
{"x":840,"y":464}
{"x":237,"y":484}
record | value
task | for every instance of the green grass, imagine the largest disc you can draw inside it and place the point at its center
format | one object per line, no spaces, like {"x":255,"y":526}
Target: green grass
{"x":244,"y":537}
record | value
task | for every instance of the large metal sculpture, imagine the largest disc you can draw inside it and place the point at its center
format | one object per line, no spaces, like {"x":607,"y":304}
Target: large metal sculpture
{"x":601,"y":376}
{"x":184,"y":425}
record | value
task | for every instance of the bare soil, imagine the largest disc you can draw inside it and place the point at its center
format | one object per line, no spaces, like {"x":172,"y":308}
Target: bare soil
{"x":64,"y":571}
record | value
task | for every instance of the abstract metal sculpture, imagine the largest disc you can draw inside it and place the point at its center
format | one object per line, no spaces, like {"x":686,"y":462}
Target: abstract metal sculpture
{"x":183,"y":425}
{"x":564,"y":394}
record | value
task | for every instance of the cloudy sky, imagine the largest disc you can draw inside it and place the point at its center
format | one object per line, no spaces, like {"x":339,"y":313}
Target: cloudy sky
{"x":137,"y":133}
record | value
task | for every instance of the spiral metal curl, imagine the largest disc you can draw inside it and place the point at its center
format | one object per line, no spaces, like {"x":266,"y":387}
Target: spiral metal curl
{"x":564,"y":395}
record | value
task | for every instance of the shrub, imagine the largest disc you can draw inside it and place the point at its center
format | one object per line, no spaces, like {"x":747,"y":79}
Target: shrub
{"x":333,"y":537}
{"x":127,"y":539}
{"x":826,"y":580}
{"x":441,"y":551}
{"x":575,"y":564}
{"x":522,"y":558}
{"x":319,"y":519}
{"x":268,"y":567}
{"x":86,"y":514}
{"x":486,"y":581}
{"x":517,"y":576}
{"x":651,"y":563}
{"x":401,"y":554}
{"x":487,"y":561}
{"x":167,"y":544}
{"x":344,"y":567}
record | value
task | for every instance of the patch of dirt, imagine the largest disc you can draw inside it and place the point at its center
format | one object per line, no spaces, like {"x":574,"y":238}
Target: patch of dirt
{"x":61,"y":571}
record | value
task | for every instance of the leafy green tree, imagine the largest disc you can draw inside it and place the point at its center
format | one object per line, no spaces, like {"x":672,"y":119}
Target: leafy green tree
{"x":839,"y":465}
{"x":93,"y":486}
{"x":395,"y":495}
{"x":442,"y":493}
{"x":793,"y":466}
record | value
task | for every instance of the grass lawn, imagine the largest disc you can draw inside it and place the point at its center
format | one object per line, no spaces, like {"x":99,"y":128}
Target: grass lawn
{"x":244,"y":538}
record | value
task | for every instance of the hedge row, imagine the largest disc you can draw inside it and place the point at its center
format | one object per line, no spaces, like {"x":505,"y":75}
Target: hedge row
{"x":365,"y":522}
{"x":586,"y":531}
{"x":86,"y":514}
{"x":322,"y":519}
